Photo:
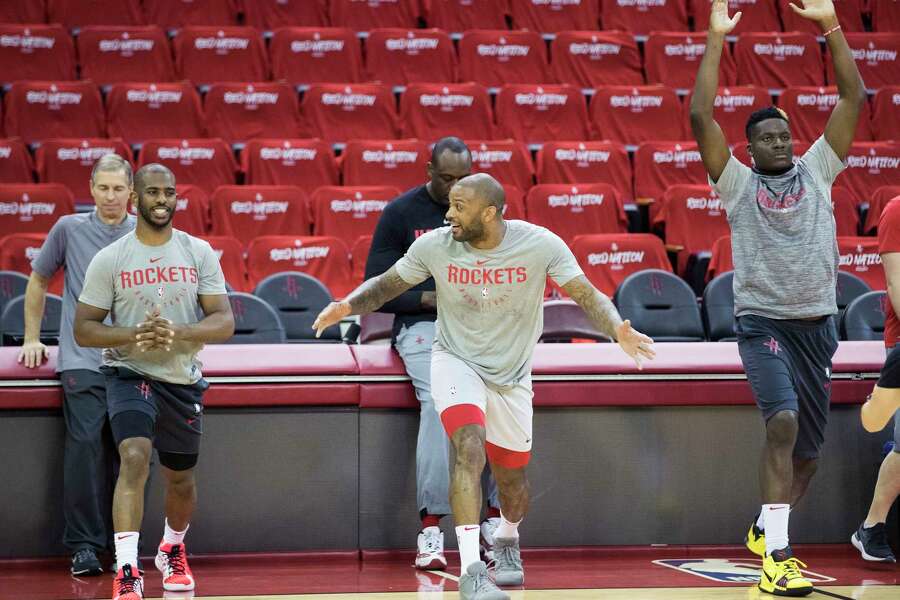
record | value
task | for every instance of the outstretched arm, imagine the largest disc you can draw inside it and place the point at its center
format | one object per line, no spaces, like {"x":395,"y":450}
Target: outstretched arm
{"x":713,"y":145}
{"x":367,"y":298}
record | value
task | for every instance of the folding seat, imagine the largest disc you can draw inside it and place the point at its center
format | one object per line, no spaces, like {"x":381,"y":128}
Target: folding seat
{"x":77,"y":13}
{"x":12,"y":285}
{"x":886,"y":113}
{"x":870,"y":165}
{"x":246,"y":212}
{"x":694,"y":219}
{"x":672,"y":58}
{"x":120,"y":54}
{"x":733,"y":106}
{"x":809,"y":109}
{"x":349,"y":212}
{"x":140,"y":111}
{"x":572,"y":210}
{"x":535,"y":113}
{"x":231,"y":258}
{"x":306,"y":164}
{"x":608,"y":258}
{"x":515,"y":203}
{"x":863,"y":319}
{"x":846,"y":211}
{"x":33,"y":11}
{"x":272,"y":14}
{"x":191,"y":210}
{"x":339,"y":112}
{"x":325,"y":258}
{"x":661,"y":305}
{"x":17,"y":250}
{"x":758,"y":15}
{"x":495,"y":57}
{"x":658,"y":165}
{"x":859,"y":256}
{"x":885,"y":15}
{"x":33,"y":207}
{"x":877,"y":57}
{"x":585,"y":162}
{"x":721,"y":260}
{"x":778,"y":60}
{"x":644,"y":16}
{"x":403,"y":56}
{"x":400,"y":163}
{"x":430,"y":111}
{"x":508,"y":161}
{"x":298,"y":299}
{"x":255,"y":320}
{"x":589,"y":59}
{"x":206,"y":55}
{"x":877,"y":201}
{"x":849,"y":288}
{"x":553,"y":17}
{"x":359,"y":253}
{"x":849,"y":13}
{"x":172,"y":14}
{"x":37,"y":110}
{"x":304,"y":55}
{"x":374,"y":14}
{"x":632,"y":115}
{"x":461,"y":15}
{"x":36,"y":52}
{"x":237,"y":112}
{"x":207,"y":163}
{"x":16,"y":165}
{"x":70,"y":162}
{"x":717,"y":309}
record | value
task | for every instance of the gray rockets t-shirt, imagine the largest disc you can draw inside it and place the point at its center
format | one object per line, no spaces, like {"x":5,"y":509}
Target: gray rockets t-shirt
{"x":129,"y":278}
{"x":490,"y":302}
{"x":783,"y":236}
{"x":71,"y":244}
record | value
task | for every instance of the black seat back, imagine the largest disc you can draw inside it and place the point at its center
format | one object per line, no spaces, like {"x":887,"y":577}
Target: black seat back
{"x":298,"y":298}
{"x":717,"y":308}
{"x":660,"y":305}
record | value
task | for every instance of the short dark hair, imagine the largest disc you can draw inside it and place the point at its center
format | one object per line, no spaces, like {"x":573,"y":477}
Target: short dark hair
{"x":770,"y":112}
{"x":453,"y":144}
{"x":142,"y":173}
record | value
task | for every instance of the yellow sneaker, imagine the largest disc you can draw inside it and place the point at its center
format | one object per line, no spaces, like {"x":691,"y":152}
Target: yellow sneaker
{"x":756,"y":540}
{"x":781,"y":575}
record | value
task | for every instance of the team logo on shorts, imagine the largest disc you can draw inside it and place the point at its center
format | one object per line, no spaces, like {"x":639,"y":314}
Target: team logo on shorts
{"x":144,"y":389}
{"x":772,"y":345}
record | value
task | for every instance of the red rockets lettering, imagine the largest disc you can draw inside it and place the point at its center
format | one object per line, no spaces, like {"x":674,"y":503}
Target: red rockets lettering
{"x":157,"y":275}
{"x":498,"y":276}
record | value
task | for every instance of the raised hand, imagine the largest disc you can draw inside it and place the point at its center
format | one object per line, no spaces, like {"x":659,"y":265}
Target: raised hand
{"x":634,"y":343}
{"x":33,"y":354}
{"x":330,"y":315}
{"x":815,"y":10}
{"x":719,"y":21}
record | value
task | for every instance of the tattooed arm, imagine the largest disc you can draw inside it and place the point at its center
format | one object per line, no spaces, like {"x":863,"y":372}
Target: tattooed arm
{"x":367,"y":298}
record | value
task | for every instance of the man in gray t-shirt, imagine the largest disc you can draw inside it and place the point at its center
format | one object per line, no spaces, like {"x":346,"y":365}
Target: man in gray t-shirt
{"x":71,"y":244}
{"x":489,"y":276}
{"x":785,"y":269}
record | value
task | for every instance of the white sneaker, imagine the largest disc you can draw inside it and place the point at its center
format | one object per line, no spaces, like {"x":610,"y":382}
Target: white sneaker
{"x":431,"y":549}
{"x":488,"y":527}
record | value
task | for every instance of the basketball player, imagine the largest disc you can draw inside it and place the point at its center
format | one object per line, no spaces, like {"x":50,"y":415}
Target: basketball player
{"x":417,"y":211}
{"x":490,"y":276}
{"x":871,"y":538}
{"x":151,"y":282}
{"x":71,"y":244}
{"x":785,"y":259}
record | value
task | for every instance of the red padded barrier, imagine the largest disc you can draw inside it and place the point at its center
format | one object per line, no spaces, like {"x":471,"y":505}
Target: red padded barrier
{"x":635,"y":114}
{"x":120,"y":54}
{"x":809,"y":109}
{"x":271,"y":14}
{"x":208,"y":163}
{"x":35,"y":51}
{"x":399,"y":163}
{"x":672,"y":58}
{"x":237,"y":112}
{"x":246,"y":212}
{"x":141,"y":111}
{"x":585,"y":162}
{"x":70,"y":162}
{"x":535,"y":113}
{"x":403,"y":56}
{"x":877,"y":57}
{"x":461,"y":15}
{"x":306,"y":163}
{"x":553,"y":17}
{"x":778,"y":60}
{"x":508,"y":161}
{"x":430,"y":111}
{"x":16,"y":165}
{"x":304,"y":55}
{"x":206,"y":55}
{"x":496,"y":57}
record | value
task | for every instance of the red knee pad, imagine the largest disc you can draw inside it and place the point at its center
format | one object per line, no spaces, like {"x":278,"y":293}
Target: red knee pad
{"x":508,"y":459}
{"x":459,"y":416}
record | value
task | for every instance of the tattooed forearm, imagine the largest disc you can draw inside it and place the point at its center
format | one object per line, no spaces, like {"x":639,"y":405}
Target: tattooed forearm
{"x":598,"y":307}
{"x":376,"y":291}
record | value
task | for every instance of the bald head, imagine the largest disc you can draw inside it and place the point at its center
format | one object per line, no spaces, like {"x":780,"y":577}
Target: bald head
{"x":485,"y":189}
{"x":145,"y":173}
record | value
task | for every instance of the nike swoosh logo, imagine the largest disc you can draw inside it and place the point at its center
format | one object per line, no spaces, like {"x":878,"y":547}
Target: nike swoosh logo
{"x":481,"y":262}
{"x":153,"y":260}
{"x":470,"y":528}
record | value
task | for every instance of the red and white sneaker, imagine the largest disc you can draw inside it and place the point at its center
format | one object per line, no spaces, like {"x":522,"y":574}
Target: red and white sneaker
{"x":431,"y":549}
{"x":128,"y":584}
{"x":171,"y":560}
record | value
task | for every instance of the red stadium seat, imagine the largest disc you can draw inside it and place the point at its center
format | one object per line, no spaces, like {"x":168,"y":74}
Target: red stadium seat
{"x":534,"y":113}
{"x":694,"y":218}
{"x":15,"y":162}
{"x":886,"y":113}
{"x":572,"y":210}
{"x":402,"y":56}
{"x":179,"y":13}
{"x":36,"y":52}
{"x":430,"y":111}
{"x":461,"y":15}
{"x":508,"y":161}
{"x":37,"y":110}
{"x":359,"y":253}
{"x":733,"y":106}
{"x":246,"y":212}
{"x":672,"y":59}
{"x":586,"y":162}
{"x":398,"y":163}
{"x":877,"y":202}
{"x":495,"y":57}
{"x":207,"y":163}
{"x":871,"y":165}
{"x":809,"y":109}
{"x":325,"y":258}
{"x":231,"y":258}
{"x":120,"y":54}
{"x":191,"y":210}
{"x":70,"y":162}
{"x":272,"y":14}
{"x":372,"y":14}
{"x":885,"y":15}
{"x":658,"y":165}
{"x":607,"y":259}
{"x":515,"y":203}
{"x":304,"y":55}
{"x":590,"y":59}
{"x":77,"y":13}
{"x":338,"y":112}
{"x":859,"y":256}
{"x":33,"y":11}
{"x":644,"y":16}
{"x":632,"y":115}
{"x":34,"y":207}
{"x":349,"y":212}
{"x":877,"y":57}
{"x":140,"y":111}
{"x":849,"y":13}
{"x":721,"y":260}
{"x":237,"y":112}
{"x":846,"y":211}
{"x":758,"y":15}
{"x":306,"y":164}
{"x":553,"y":17}
{"x":778,"y":60}
{"x":17,"y":250}
{"x":207,"y":55}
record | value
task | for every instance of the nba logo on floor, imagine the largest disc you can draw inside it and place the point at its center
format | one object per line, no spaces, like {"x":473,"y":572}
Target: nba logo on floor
{"x":728,"y":570}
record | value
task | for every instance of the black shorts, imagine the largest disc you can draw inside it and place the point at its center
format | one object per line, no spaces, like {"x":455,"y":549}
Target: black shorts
{"x":788,"y":365}
{"x":176,"y":410}
{"x":890,"y":379}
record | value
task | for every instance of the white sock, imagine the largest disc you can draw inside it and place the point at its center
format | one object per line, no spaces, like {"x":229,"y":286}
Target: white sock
{"x":776,"y":520}
{"x":467,"y":538}
{"x":126,"y":548}
{"x":507,"y":530}
{"x":761,"y":520}
{"x":170,"y":536}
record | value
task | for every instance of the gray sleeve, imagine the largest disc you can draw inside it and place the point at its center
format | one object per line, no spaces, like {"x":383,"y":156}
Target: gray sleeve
{"x":52,"y":255}
{"x":412,"y":266}
{"x":731,"y":183}
{"x":99,"y":288}
{"x":822,"y":163}
{"x":562,"y":265}
{"x":212,"y":280}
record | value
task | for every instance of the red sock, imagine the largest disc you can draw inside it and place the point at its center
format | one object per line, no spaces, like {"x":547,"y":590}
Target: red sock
{"x":493,"y":513}
{"x":431,"y":521}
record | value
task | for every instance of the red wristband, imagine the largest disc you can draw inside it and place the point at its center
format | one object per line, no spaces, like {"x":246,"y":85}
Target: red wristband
{"x":832,"y":30}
